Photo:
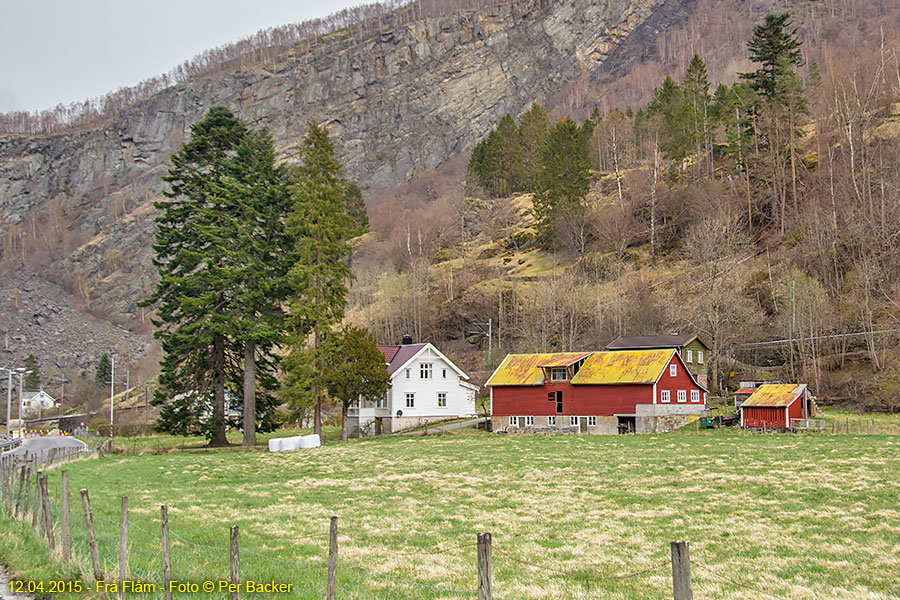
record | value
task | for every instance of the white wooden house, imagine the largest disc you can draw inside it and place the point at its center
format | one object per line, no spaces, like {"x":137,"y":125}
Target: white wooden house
{"x":426,"y":387}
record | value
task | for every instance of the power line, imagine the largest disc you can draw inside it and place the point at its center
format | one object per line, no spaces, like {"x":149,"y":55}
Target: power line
{"x":786,"y":341}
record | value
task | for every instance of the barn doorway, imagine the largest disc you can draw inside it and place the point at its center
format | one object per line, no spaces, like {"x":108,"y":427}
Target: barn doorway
{"x":626,"y":424}
{"x":583,"y":425}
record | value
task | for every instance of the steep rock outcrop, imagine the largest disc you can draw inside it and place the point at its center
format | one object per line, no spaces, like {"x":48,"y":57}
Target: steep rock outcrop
{"x":396,"y":104}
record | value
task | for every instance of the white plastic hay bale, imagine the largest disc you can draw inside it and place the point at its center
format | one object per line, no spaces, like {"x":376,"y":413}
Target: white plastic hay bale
{"x":310,"y":441}
{"x":275,"y":444}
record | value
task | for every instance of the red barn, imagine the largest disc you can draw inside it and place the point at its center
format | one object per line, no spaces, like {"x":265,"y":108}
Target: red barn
{"x":594,"y":392}
{"x":774,"y":406}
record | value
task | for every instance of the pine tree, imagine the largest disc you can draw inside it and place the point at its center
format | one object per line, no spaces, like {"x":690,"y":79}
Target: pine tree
{"x":321,"y":227}
{"x":696,"y":109}
{"x":532,"y":132}
{"x":564,"y":178}
{"x":32,"y":381}
{"x":354,"y":367}
{"x":103,"y":372}
{"x":777,"y":48}
{"x":356,"y":209}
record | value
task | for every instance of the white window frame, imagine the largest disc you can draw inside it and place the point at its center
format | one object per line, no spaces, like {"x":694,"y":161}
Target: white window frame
{"x":426,"y":369}
{"x":409,"y":373}
{"x":555,"y":370}
{"x":382,"y":401}
{"x":682,"y":395}
{"x":529,"y":421}
{"x":695,"y":395}
{"x":440,"y":396}
{"x":673,"y":370}
{"x":573,"y":421}
{"x":689,"y":354}
{"x":592,"y":421}
{"x":551,"y":421}
{"x":410,"y":399}
{"x":699,"y":357}
{"x":665,"y":396}
{"x":514,"y":421}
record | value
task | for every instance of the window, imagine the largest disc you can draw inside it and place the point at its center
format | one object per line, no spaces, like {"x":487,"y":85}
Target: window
{"x":381,"y":402}
{"x":695,"y":395}
{"x":425,"y":371}
{"x":700,"y":357}
{"x":410,"y":399}
{"x":514,"y":421}
{"x":558,"y":374}
{"x":673,"y":370}
{"x":690,"y":356}
{"x":682,"y":396}
{"x":551,"y":421}
{"x":556,"y":397}
{"x":664,"y":396}
{"x":573,"y":421}
{"x":444,"y":372}
{"x":529,"y":421}
{"x":407,"y":373}
{"x":592,"y":421}
{"x":442,"y":399}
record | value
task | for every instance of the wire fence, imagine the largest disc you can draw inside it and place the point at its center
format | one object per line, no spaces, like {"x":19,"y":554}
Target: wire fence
{"x":201,"y":565}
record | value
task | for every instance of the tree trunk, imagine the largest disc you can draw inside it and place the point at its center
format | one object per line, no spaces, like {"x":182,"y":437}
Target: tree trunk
{"x":317,"y":418}
{"x":218,"y":438}
{"x":344,"y":407}
{"x":250,"y":394}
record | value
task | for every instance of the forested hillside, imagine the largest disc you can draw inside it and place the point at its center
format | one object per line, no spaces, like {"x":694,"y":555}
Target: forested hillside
{"x":747,"y":206}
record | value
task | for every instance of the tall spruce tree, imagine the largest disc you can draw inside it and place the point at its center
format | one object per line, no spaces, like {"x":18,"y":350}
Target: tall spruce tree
{"x":321,"y":227}
{"x":33,"y":379}
{"x":776,"y":47}
{"x":564,"y":178}
{"x":220,"y":247}
{"x":532,"y":131}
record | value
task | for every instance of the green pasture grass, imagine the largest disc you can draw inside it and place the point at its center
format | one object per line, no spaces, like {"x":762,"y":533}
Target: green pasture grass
{"x":784,"y":516}
{"x":159,"y":443}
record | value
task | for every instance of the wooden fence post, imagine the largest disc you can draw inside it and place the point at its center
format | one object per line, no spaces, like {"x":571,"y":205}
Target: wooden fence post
{"x":66,"y":532}
{"x":331,"y":593}
{"x":92,"y":537}
{"x":485,"y":579}
{"x":235,"y":562}
{"x":681,"y":571}
{"x":27,"y":490}
{"x":19,"y":494}
{"x":167,"y":560}
{"x":123,"y":548}
{"x":36,"y":502}
{"x":48,"y":519}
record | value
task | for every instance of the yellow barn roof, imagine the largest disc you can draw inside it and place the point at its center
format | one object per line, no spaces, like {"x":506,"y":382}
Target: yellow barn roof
{"x":526,"y":369}
{"x":775,"y":394}
{"x":624,"y":366}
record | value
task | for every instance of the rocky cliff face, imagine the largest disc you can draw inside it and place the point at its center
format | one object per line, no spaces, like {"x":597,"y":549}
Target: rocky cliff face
{"x":396,"y":104}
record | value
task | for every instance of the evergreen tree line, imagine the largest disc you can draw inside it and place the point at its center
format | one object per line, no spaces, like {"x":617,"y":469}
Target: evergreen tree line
{"x":686,"y":132}
{"x":253,"y":265}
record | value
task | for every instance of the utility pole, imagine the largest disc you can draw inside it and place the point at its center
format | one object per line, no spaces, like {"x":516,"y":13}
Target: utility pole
{"x":112,"y":389}
{"x":8,"y":401}
{"x":22,"y":373}
{"x":488,"y":333}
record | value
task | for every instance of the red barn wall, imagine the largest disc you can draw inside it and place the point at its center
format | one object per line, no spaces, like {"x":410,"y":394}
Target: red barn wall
{"x":681,"y":381}
{"x":763,"y":416}
{"x":577,"y":399}
{"x":795,"y":411}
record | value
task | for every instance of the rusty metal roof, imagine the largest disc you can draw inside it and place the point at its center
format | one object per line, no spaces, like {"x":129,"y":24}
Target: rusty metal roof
{"x":623,"y":366}
{"x":565,"y":359}
{"x":525,"y":369}
{"x":771,"y":394}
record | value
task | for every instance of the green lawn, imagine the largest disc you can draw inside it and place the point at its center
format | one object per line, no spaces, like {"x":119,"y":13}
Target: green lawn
{"x":794,"y":516}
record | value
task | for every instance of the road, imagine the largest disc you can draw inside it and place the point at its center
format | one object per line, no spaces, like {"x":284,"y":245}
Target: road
{"x":42,"y":445}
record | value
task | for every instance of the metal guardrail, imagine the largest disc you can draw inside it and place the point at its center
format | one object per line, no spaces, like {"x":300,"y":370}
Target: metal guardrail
{"x":817,"y":424}
{"x":9,"y":445}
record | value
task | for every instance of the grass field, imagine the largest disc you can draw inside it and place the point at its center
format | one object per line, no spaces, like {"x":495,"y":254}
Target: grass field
{"x":784,"y":516}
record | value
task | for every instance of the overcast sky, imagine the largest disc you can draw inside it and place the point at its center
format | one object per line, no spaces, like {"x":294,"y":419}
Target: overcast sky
{"x":54,"y":51}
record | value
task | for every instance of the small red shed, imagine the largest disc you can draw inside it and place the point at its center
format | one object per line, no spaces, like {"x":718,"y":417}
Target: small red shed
{"x":775,"y":406}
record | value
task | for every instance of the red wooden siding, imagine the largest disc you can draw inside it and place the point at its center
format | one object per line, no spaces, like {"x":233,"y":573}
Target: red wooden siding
{"x":764,"y":416}
{"x":577,"y":399}
{"x":681,"y":381}
{"x":795,"y":410}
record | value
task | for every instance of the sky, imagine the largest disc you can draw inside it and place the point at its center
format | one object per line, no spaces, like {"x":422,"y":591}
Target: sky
{"x":68,"y":50}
